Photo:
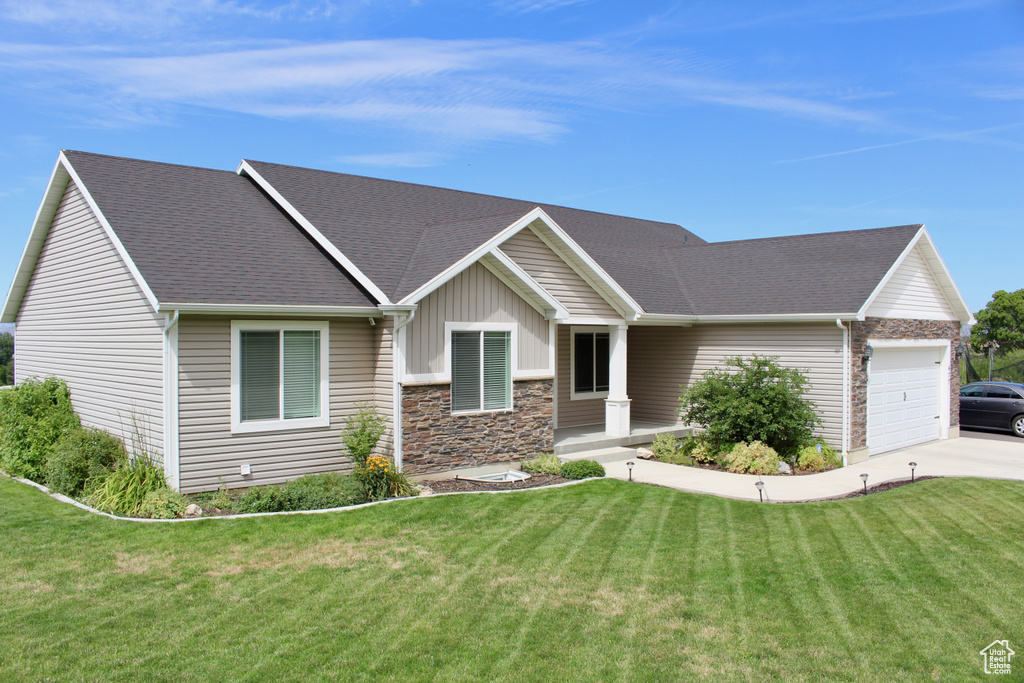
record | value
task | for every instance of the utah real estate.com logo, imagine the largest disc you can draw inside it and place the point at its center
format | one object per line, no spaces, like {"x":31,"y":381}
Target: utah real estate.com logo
{"x":997,"y":657}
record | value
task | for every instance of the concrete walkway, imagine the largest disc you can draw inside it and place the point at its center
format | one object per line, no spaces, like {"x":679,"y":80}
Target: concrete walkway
{"x":972,"y":455}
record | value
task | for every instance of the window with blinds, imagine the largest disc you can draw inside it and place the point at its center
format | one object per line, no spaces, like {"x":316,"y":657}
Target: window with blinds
{"x":279,"y":374}
{"x":591,"y":362}
{"x":481,"y":371}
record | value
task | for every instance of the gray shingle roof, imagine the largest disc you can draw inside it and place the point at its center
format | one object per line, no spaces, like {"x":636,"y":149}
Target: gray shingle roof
{"x":401,"y":234}
{"x":203,"y":236}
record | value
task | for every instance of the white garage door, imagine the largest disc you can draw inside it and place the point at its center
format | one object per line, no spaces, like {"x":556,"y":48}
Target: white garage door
{"x":904,"y":390}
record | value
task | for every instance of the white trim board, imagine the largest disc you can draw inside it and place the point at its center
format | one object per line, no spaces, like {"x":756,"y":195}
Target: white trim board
{"x":244,"y":169}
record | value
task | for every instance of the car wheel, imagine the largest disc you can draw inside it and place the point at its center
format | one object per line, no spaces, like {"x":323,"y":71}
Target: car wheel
{"x":1017,"y":425}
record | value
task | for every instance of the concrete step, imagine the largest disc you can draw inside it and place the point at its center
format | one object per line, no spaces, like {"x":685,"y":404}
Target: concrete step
{"x":601,"y":455}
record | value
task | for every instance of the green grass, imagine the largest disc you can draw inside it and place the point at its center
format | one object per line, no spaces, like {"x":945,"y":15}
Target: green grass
{"x":605,"y":580}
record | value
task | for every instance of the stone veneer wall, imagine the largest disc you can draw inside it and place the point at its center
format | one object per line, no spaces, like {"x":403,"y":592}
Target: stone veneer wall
{"x":893,"y":328}
{"x":434,"y":440}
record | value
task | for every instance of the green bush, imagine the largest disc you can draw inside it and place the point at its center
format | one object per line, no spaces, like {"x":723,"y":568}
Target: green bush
{"x":322,"y":491}
{"x":751,"y":400}
{"x":753,"y":458}
{"x":262,"y":499}
{"x":582,"y":469}
{"x":82,"y":453}
{"x":818,"y":458}
{"x":545,"y":463}
{"x":667,"y":448}
{"x":33,"y":417}
{"x":123,"y":491}
{"x":163,"y":503}
{"x":381,"y":480}
{"x":362,"y":432}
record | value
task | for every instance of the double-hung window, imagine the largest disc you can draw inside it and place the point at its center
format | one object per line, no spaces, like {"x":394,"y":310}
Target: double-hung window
{"x":279,"y":375}
{"x":590,"y":363}
{"x":481,"y":369}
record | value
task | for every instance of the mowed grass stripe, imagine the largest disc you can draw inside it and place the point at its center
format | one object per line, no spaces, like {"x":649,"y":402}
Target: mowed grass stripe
{"x":601,"y":581}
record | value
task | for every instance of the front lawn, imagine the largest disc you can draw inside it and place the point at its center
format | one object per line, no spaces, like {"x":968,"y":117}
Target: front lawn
{"x":604,"y":580}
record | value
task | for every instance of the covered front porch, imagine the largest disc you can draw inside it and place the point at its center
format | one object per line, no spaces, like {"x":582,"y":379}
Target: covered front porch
{"x":594,"y":437}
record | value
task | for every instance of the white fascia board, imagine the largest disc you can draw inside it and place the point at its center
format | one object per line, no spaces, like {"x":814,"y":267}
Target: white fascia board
{"x":36,"y":238}
{"x":244,"y":169}
{"x":247,"y":309}
{"x":528,"y":288}
{"x":777,"y":318}
{"x":946,"y":281}
{"x":863,"y":312}
{"x":633,"y":308}
{"x":664,"y":319}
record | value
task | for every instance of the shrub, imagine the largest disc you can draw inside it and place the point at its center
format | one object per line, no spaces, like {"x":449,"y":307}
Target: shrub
{"x":582,"y":469}
{"x":381,"y":480}
{"x":33,"y":417}
{"x":80,"y":454}
{"x":362,"y":432}
{"x":163,"y":503}
{"x":751,"y":400}
{"x":545,"y":463}
{"x":701,"y":451}
{"x":263,"y":499}
{"x":667,"y":448}
{"x":322,"y":491}
{"x":753,"y":458}
{"x":123,"y":491}
{"x":818,"y":457}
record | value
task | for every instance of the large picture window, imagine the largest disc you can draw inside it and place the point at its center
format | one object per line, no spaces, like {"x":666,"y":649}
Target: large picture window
{"x":481,"y":370}
{"x":590,"y":364}
{"x":279,"y":375}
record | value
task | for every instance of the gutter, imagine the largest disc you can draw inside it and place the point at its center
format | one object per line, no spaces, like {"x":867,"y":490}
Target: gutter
{"x":172,"y":461}
{"x":403,"y":316}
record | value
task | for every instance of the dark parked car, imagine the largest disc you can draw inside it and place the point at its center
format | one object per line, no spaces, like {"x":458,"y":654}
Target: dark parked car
{"x":993,"y":404}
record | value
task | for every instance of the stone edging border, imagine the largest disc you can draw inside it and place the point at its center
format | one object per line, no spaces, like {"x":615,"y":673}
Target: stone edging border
{"x":82,"y":506}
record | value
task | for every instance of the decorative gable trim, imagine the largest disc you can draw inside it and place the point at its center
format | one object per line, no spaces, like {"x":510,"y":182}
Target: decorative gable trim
{"x":63,"y":173}
{"x":571,"y":253}
{"x":245,"y":169}
{"x":937,"y":267}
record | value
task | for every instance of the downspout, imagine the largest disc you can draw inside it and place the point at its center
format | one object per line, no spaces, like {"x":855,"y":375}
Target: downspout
{"x":398,"y":374}
{"x":172,"y":464}
{"x":846,"y":389}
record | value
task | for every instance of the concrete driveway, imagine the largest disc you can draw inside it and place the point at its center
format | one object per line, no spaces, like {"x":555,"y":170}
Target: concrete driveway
{"x":974,"y":454}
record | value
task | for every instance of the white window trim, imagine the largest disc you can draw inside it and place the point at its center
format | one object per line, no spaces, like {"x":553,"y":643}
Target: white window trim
{"x":584,"y":395}
{"x":324,"y":420}
{"x":511,"y":328}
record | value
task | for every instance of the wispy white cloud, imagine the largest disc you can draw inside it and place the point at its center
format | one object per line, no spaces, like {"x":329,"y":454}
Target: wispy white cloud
{"x":394,"y":159}
{"x":536,"y":5}
{"x":958,"y":135}
{"x":126,"y":15}
{"x":460,"y":90}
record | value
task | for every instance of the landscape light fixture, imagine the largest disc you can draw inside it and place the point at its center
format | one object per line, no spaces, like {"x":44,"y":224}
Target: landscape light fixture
{"x":864,"y":478}
{"x":760,"y":489}
{"x":629,"y":466}
{"x":912,"y":466}
{"x":868,"y":352}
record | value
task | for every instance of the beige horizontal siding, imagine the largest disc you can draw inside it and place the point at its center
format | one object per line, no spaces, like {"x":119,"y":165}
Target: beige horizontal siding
{"x":664,"y":359}
{"x":580,"y":412}
{"x":474,"y":296}
{"x":912,"y":292}
{"x":555,"y":275}
{"x":384,"y":380}
{"x":211,"y":455}
{"x":85,"y":320}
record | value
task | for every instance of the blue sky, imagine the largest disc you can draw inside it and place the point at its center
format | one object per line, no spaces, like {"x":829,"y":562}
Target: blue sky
{"x":736,"y":120}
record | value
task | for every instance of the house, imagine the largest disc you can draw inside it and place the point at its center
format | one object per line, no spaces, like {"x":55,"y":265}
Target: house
{"x":245,"y":315}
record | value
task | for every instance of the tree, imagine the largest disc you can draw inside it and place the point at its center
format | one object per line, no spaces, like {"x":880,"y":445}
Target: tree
{"x":751,"y":400}
{"x":6,"y":358}
{"x":1001,"y":321}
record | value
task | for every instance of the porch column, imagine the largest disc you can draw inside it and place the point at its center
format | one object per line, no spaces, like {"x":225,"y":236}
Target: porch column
{"x":616,"y":406}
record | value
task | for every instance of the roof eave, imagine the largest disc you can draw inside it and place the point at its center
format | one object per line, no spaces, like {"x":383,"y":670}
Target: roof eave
{"x":264,"y":309}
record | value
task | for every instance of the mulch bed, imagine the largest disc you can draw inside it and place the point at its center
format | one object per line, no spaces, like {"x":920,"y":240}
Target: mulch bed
{"x":454,"y":485}
{"x":884,"y":486}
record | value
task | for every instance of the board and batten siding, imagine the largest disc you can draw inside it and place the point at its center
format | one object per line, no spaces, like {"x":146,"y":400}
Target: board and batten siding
{"x":912,"y":292}
{"x":580,"y":412}
{"x":211,"y":455}
{"x":85,"y":320}
{"x":556,"y":276}
{"x":661,"y":360}
{"x":475,"y":296}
